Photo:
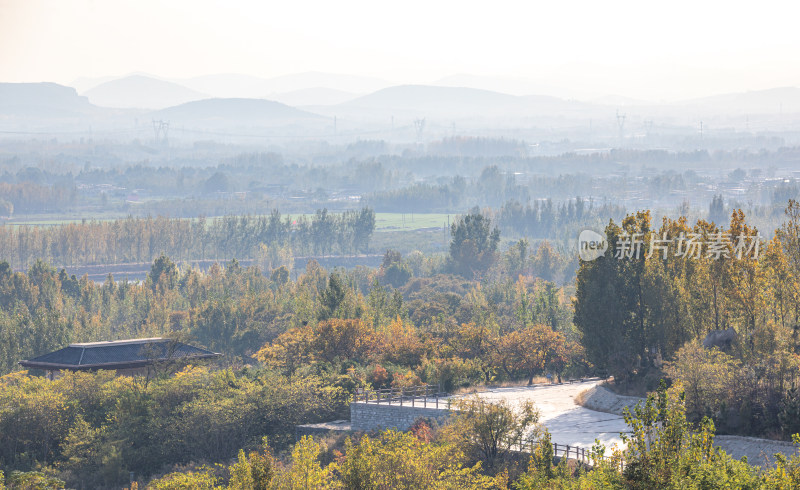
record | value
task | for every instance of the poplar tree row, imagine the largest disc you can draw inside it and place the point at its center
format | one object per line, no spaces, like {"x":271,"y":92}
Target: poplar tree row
{"x":144,"y":239}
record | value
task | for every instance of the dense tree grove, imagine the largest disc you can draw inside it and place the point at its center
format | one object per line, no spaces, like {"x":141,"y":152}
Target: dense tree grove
{"x":658,"y":292}
{"x":297,"y":347}
{"x":144,"y":239}
{"x":472,"y":452}
{"x":95,"y":428}
{"x":546,"y":219}
{"x":28,"y":197}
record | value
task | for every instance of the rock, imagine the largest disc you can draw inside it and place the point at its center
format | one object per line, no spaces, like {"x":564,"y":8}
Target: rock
{"x":721,"y":339}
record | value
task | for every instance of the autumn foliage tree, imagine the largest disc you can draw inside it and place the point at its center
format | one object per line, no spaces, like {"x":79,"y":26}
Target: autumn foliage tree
{"x":531,"y":351}
{"x":328,"y":341}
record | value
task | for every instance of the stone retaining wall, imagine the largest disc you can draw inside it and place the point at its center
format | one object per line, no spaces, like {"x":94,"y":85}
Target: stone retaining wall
{"x":601,"y":399}
{"x":374,"y":416}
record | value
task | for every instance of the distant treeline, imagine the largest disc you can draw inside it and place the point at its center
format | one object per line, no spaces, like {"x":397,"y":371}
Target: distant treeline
{"x":494,"y":187}
{"x":452,"y":175}
{"x":27,"y":197}
{"x":544,"y":219}
{"x":144,"y":239}
{"x":478,"y":146}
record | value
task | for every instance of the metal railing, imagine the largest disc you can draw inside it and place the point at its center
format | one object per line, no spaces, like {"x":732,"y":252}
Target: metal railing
{"x":426,"y":396}
{"x":581,"y":454}
{"x":566,"y":451}
{"x":429,"y":396}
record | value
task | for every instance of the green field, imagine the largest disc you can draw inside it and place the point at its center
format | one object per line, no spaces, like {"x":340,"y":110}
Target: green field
{"x":55,"y":220}
{"x":401,"y":221}
{"x":383,"y":221}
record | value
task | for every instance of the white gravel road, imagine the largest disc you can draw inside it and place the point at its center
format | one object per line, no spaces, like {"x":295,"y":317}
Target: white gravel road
{"x":570,"y":423}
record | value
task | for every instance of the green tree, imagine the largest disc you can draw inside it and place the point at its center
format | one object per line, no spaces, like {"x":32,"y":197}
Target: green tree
{"x":305,"y":472}
{"x":163,"y":273}
{"x":611,"y":311}
{"x":6,"y":208}
{"x":363,"y":227}
{"x":473,"y":245}
{"x":489,"y":431}
{"x":254,"y":471}
{"x":400,"y":460}
{"x":547,"y":263}
{"x":665,"y":451}
{"x":517,"y":258}
{"x":332,"y":297}
{"x":203,"y":479}
{"x":32,"y":480}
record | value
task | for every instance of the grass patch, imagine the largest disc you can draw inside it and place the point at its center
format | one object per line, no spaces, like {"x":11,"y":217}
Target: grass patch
{"x":383,"y":221}
{"x":410,"y":221}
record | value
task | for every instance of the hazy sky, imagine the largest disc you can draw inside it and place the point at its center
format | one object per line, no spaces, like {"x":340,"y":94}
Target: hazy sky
{"x":656,"y":50}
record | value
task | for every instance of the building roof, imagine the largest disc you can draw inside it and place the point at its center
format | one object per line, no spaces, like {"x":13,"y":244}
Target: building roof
{"x":118,"y":354}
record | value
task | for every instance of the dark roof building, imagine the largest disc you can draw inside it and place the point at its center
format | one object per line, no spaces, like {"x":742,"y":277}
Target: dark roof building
{"x":118,"y":355}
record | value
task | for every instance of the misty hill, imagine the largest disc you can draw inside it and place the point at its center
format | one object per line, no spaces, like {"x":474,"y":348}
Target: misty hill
{"x":42,"y":100}
{"x":82,"y":84}
{"x":235,"y":85}
{"x":138,"y":91}
{"x":618,"y":101}
{"x":770,"y":101}
{"x":506,"y":85}
{"x":312,"y":79}
{"x":425,"y":100}
{"x":313,"y":96}
{"x":227,"y":85}
{"x":234,"y":110}
{"x":434,"y":98}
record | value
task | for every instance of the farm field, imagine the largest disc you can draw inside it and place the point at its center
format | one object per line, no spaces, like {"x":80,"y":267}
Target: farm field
{"x":383,"y":221}
{"x":410,"y":221}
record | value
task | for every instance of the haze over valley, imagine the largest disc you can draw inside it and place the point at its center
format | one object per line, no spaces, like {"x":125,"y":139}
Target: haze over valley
{"x":357,"y":244}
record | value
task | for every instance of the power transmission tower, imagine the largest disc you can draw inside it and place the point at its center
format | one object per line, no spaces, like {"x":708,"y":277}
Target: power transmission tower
{"x":161,"y":130}
{"x":621,"y":124}
{"x":419,"y":127}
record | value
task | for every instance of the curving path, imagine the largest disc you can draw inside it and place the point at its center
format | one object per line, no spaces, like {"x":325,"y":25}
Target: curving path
{"x":570,"y":423}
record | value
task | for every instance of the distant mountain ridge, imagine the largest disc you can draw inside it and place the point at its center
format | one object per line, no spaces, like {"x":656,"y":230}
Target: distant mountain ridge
{"x":247,"y":86}
{"x":506,"y":85}
{"x":312,"y":97}
{"x":141,"y":92}
{"x":44,"y":105}
{"x":773,"y":100}
{"x":42,"y":100}
{"x":436,"y":101}
{"x":234,"y":109}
